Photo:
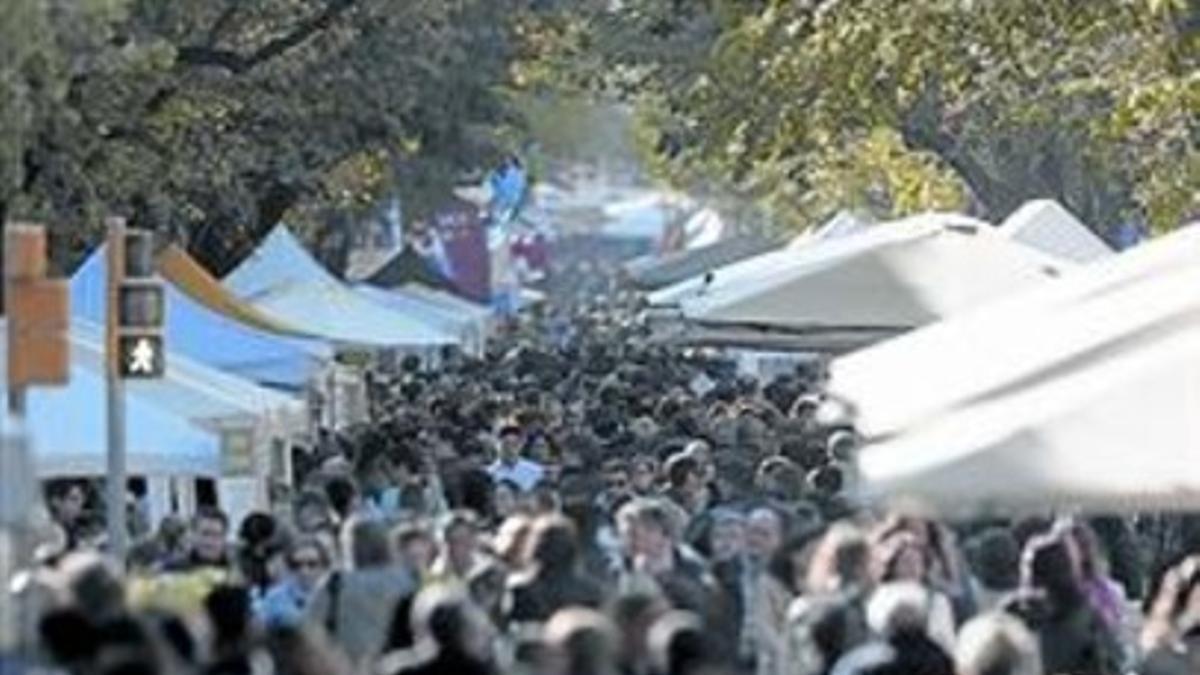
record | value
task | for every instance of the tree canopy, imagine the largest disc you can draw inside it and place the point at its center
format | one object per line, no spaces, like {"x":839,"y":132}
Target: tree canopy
{"x":808,"y":106}
{"x":212,"y":119}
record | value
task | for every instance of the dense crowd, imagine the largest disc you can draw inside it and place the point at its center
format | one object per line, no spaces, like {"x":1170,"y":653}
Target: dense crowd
{"x":581,"y":501}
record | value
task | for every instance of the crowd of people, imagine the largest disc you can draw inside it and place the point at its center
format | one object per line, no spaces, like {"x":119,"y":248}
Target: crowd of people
{"x":582,"y":501}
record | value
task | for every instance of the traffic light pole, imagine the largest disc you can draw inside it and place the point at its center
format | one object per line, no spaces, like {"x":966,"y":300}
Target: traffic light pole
{"x":16,"y":402}
{"x":118,"y":534}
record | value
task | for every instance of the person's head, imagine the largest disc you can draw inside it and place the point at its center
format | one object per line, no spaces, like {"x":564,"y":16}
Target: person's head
{"x":764,"y":533}
{"x":841,"y":445}
{"x":634,"y":612}
{"x":997,"y":644}
{"x":416,"y":546}
{"x":842,"y":558}
{"x":903,"y":558}
{"x":312,"y":512}
{"x":365,"y":543}
{"x":376,"y":475}
{"x":91,"y":585}
{"x":727,"y":537}
{"x":616,"y":476}
{"x":210,"y":531}
{"x":832,"y":625}
{"x":506,"y":499}
{"x":781,"y":479}
{"x":554,"y":544}
{"x":343,"y":496}
{"x":66,"y":499}
{"x":582,"y":642}
{"x":647,"y":527}
{"x":898,"y":607}
{"x":685,"y":473}
{"x":446,"y":616}
{"x":1048,"y":566}
{"x":172,"y":534}
{"x":701,"y":451}
{"x":643,"y":474}
{"x":995,"y":559}
{"x":679,"y":645}
{"x":309,"y":561}
{"x":228,"y":610}
{"x":460,"y":537}
{"x":511,"y":442}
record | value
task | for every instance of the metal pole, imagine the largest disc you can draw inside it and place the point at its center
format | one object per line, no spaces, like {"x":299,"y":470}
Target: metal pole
{"x":16,"y":402}
{"x":118,"y":537}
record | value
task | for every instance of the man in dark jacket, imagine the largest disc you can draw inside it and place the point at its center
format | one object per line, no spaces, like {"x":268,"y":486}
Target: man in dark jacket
{"x":453,"y":638}
{"x":555,"y":582}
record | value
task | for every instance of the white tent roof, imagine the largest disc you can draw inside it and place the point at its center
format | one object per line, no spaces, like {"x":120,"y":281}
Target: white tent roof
{"x":725,"y":277}
{"x":1047,"y":226}
{"x":986,"y":350}
{"x":283,"y":281}
{"x":896,"y":275}
{"x":842,"y":224}
{"x":1082,"y":396}
{"x":466,"y":327}
{"x":449,"y":301}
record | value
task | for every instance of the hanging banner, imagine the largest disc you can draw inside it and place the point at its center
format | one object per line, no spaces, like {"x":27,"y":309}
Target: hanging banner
{"x":237,"y":452}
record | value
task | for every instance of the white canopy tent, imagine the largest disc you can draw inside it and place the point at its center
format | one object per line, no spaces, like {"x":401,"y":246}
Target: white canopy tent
{"x":1006,"y":341}
{"x":1047,"y":226}
{"x":842,"y":224}
{"x":742,"y":271}
{"x":1081,"y":394}
{"x":464,"y":327}
{"x":897,"y":275}
{"x":479,"y":317}
{"x":284,"y":282}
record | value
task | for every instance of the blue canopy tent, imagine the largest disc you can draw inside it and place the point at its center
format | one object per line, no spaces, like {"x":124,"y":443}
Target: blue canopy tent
{"x":209,"y":337}
{"x":285,"y":283}
{"x":200,"y":393}
{"x":67,"y":427}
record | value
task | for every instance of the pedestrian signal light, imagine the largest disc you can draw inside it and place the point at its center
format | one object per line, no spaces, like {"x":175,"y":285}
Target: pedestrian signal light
{"x":141,"y":356}
{"x":140,"y":308}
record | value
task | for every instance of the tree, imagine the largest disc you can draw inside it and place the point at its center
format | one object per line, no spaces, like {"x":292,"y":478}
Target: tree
{"x":902,"y":105}
{"x":212,"y":119}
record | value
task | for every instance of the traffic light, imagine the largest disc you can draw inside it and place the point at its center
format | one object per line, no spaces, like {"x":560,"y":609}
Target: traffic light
{"x":140,"y":308}
{"x":38,"y":312}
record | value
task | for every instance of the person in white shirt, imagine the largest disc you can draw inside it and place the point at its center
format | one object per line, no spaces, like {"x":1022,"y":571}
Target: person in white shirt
{"x":510,"y":466}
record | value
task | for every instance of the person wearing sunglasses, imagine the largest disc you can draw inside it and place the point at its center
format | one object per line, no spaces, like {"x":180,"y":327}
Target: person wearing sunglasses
{"x":284,"y":604}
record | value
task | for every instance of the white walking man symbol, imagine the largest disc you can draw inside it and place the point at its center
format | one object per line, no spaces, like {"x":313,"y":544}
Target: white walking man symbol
{"x":141,"y":359}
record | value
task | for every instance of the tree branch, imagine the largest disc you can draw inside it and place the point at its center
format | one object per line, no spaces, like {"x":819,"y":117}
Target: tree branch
{"x":238,"y":64}
{"x":223,"y":20}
